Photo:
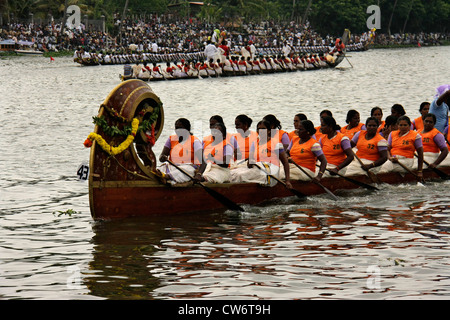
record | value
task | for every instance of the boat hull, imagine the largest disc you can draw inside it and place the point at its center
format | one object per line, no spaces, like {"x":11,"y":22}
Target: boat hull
{"x":118,"y":200}
{"x":29,"y":52}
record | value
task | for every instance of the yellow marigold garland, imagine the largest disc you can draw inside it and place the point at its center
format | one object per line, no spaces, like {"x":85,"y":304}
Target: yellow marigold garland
{"x":107,"y":147}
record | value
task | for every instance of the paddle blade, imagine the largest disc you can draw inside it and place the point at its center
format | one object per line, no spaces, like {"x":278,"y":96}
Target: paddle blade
{"x":441,"y":174}
{"x":330,"y":193}
{"x":300,"y":195}
{"x":222,"y":199}
{"x":373,"y":177}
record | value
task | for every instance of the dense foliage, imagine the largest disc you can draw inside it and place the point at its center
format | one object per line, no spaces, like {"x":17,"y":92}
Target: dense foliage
{"x":325,"y":16}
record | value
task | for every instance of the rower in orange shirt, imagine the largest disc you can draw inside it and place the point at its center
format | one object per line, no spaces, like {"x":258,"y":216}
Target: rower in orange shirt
{"x":304,"y":151}
{"x":184,"y":150}
{"x":434,"y":145}
{"x":217,"y":153}
{"x":417,"y":124}
{"x":402,"y":144}
{"x":336,"y":147}
{"x":323,"y":113}
{"x":243,"y":139}
{"x":371,"y":149}
{"x":265,"y":158}
{"x":281,"y":135}
{"x":377,"y":113}
{"x":297,"y":119}
{"x":353,"y":124}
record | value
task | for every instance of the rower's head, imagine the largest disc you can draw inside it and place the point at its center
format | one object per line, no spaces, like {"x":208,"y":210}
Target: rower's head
{"x":390,"y":125}
{"x":397,"y":110}
{"x":325,"y":113}
{"x":182,"y":127}
{"x":243,"y":122}
{"x":219,"y":131}
{"x":377,"y":113}
{"x":353,"y":118}
{"x":372,"y":125}
{"x":298,"y":118}
{"x":215,"y":119}
{"x":306,"y":129}
{"x":429,"y":120}
{"x":329,"y":125}
{"x":424,"y":108}
{"x":264,"y":128}
{"x":273,"y":121}
{"x":404,"y":124}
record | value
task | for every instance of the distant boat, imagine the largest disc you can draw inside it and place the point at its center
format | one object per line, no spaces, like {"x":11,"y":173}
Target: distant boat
{"x":29,"y":52}
{"x":26,"y":48}
{"x":7,"y":45}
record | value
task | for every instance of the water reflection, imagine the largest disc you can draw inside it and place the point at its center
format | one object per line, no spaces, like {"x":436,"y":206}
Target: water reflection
{"x":289,"y":252}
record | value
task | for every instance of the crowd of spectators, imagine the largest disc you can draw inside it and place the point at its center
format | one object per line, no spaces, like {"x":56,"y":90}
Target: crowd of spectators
{"x":184,"y":36}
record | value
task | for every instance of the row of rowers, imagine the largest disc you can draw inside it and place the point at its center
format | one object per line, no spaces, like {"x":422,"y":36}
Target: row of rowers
{"x":234,"y":65}
{"x":306,"y":153}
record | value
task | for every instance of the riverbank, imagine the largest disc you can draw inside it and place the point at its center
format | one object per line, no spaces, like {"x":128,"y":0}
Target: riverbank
{"x":400,"y":46}
{"x":48,"y":54}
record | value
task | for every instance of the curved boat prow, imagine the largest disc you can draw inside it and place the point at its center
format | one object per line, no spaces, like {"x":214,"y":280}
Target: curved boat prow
{"x":129,"y":122}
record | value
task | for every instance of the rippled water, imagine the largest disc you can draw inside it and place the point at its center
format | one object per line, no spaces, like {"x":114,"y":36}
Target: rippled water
{"x":391,"y":244}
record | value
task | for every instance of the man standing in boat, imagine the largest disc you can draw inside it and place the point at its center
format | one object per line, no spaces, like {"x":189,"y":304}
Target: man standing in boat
{"x":211,"y":51}
{"x":440,"y":107}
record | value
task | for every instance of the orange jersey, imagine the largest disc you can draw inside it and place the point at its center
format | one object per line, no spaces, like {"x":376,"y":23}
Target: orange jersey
{"x":244,"y":144}
{"x":215,"y":153}
{"x":428,"y":141}
{"x":351,"y":132}
{"x":292,"y":135}
{"x":304,"y":154}
{"x":403,"y":145}
{"x":268,"y":151}
{"x":318,"y":134}
{"x":418,"y":124}
{"x":280,"y":136}
{"x":381,"y":126}
{"x":333,"y":148}
{"x":183,"y":152}
{"x":370,"y":149}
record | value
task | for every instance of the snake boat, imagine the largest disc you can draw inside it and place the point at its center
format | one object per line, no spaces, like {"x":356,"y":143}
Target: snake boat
{"x":123,"y":177}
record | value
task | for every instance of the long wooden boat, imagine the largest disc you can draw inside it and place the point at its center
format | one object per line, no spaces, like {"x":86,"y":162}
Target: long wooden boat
{"x":327,"y":65}
{"x":124,"y":182}
{"x":131,"y":58}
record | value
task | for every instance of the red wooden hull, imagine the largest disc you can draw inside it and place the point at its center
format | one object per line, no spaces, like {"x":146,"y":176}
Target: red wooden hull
{"x":116,"y":200}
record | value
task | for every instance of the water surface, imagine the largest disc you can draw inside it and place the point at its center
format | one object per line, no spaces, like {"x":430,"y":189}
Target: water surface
{"x":389,"y":244}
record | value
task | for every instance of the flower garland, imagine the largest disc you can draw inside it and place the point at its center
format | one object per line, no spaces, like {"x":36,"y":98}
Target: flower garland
{"x":107,"y":147}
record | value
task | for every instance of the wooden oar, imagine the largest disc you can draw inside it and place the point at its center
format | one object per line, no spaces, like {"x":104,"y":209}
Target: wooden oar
{"x":359,"y":183}
{"x":409,"y":170}
{"x":371,"y":175}
{"x":296,"y":192}
{"x":348,"y":60}
{"x":219,"y":197}
{"x":440,"y":173}
{"x":316,"y":182}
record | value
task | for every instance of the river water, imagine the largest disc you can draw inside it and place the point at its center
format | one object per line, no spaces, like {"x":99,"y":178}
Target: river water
{"x":389,"y":244}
